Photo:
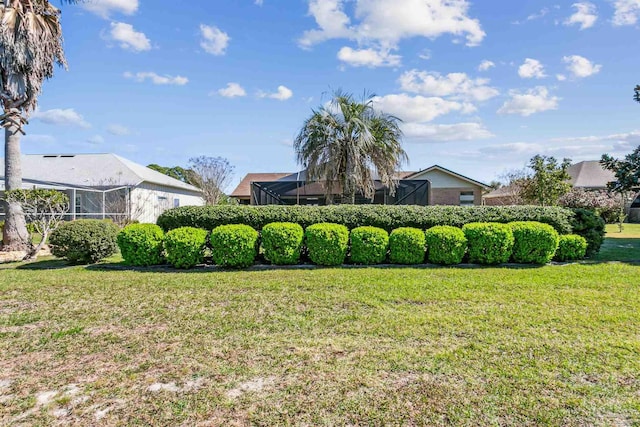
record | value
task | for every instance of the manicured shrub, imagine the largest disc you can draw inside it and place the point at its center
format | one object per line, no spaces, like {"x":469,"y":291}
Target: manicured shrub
{"x":282,"y":242}
{"x":352,"y":216}
{"x":488,"y":243}
{"x":369,"y":245}
{"x":571,"y":247}
{"x":185,"y":246}
{"x":234,"y":245}
{"x":407,"y":246}
{"x":445,"y":245}
{"x":141,"y":244}
{"x":588,"y":224}
{"x":85,"y":241}
{"x":534,"y":242}
{"x":327,"y":243}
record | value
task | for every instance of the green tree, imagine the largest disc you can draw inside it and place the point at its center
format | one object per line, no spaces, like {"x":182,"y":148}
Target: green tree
{"x":30,"y":46}
{"x":346,"y":144}
{"x":627,"y":174}
{"x":627,"y":171}
{"x":548,"y":181}
{"x":176,"y":172}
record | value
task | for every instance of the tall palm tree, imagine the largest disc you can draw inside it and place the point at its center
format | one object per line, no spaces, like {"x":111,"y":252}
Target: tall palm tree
{"x":347,"y":143}
{"x":30,"y":46}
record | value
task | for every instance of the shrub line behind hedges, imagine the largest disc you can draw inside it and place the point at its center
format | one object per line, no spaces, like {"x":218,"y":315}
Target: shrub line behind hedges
{"x":583,"y":222}
{"x":352,"y":216}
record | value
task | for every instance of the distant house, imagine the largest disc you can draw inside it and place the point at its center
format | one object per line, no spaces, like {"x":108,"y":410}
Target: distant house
{"x":432,"y":186}
{"x":106,"y":186}
{"x":588,"y":175}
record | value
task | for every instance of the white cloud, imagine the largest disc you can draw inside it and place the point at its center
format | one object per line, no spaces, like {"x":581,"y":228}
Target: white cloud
{"x":425,"y":54}
{"x":368,"y":57}
{"x":440,"y":133}
{"x":532,"y":68}
{"x":214,"y":40}
{"x":457,"y":85}
{"x":129,"y":38}
{"x":586,"y":15}
{"x":118,"y":130}
{"x":232,"y":90}
{"x":282,"y":94}
{"x":157,"y":79}
{"x":561,"y":77}
{"x":543,"y":12}
{"x":580,"y":66}
{"x":95,"y":140}
{"x":386,"y":22}
{"x":259,"y":2}
{"x":486,"y":65}
{"x":61,"y":117}
{"x":104,"y":8}
{"x":533,"y":101}
{"x":627,"y":12}
{"x":417,"y":108}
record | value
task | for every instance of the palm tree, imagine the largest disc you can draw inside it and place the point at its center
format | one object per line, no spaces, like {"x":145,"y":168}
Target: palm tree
{"x":30,"y":46}
{"x":347,"y":143}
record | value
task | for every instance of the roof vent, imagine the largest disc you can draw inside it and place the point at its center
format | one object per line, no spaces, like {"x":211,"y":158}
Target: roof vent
{"x":50,"y":157}
{"x":67,"y":156}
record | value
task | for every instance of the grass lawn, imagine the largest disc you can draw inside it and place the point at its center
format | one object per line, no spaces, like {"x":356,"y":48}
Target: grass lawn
{"x":621,"y":246}
{"x":556,"y":345}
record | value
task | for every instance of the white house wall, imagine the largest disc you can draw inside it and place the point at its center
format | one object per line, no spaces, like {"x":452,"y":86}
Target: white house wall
{"x":148,"y":201}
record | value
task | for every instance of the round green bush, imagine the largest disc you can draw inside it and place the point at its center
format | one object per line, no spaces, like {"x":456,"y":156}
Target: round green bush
{"x":84,"y":241}
{"x":185,"y":246}
{"x":234,"y":245}
{"x":282,"y":242}
{"x":407,"y":246}
{"x":571,"y":247}
{"x":141,"y":244}
{"x":327,"y":243}
{"x":446,"y":245}
{"x":369,"y":245}
{"x":488,"y":242}
{"x":534,"y":242}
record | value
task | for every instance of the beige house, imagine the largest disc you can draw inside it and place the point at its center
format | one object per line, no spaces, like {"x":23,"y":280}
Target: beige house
{"x":432,"y":186}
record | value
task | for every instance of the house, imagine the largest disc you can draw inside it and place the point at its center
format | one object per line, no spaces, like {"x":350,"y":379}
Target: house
{"x":588,"y":175}
{"x":106,"y":186}
{"x":432,"y":186}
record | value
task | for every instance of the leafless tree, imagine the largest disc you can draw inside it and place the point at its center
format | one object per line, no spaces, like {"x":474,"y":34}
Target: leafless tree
{"x":212,"y":175}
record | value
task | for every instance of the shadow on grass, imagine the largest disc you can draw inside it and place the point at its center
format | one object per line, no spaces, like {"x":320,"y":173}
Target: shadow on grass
{"x":619,"y":249}
{"x":46,"y":264}
{"x":269,"y":267}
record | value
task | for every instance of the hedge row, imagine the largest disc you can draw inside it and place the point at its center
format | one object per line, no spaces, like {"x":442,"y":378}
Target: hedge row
{"x":332,"y":244}
{"x":565,"y":221}
{"x":352,"y":216}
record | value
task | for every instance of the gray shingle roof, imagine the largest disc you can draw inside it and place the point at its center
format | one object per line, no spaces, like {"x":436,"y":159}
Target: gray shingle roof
{"x":91,"y":170}
{"x":590,"y":174}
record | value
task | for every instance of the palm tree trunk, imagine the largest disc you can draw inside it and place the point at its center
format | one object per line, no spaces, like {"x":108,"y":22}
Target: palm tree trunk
{"x":15,"y":236}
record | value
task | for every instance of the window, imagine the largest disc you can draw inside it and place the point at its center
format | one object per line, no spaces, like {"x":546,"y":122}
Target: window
{"x":467,"y":198}
{"x":176,"y":203}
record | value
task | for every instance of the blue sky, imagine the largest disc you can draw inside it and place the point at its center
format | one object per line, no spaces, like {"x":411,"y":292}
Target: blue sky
{"x":481,"y":86}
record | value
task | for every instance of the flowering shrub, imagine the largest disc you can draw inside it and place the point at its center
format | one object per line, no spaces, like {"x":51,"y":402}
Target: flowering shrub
{"x":606,"y":204}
